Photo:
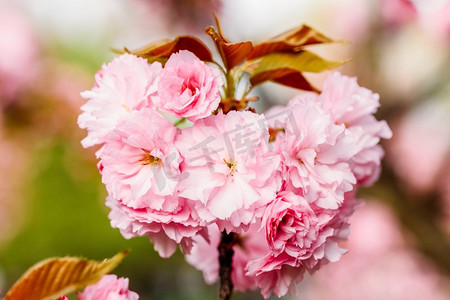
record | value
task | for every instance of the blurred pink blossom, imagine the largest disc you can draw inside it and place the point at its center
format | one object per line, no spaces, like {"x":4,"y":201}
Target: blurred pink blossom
{"x":351,"y":24}
{"x":398,"y":12}
{"x":376,"y":268}
{"x":420,"y":146}
{"x":436,"y":22}
{"x":18,"y":54}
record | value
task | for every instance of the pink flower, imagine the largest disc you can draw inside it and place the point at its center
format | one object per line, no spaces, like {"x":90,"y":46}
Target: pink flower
{"x":277,"y":281}
{"x":398,"y":12}
{"x":108,"y":288}
{"x":231,"y":172}
{"x":174,"y":223}
{"x":291,"y":226}
{"x":315,"y":154}
{"x":301,"y":238}
{"x":124,"y":85}
{"x":139,"y":162}
{"x":292,"y":233}
{"x":188,"y":87}
{"x":140,"y":168}
{"x":355,"y":106}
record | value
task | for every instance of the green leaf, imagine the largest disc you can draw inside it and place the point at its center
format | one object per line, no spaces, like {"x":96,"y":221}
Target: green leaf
{"x":57,"y":276}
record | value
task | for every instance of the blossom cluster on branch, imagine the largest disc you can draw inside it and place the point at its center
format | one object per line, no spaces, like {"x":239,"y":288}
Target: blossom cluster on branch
{"x":183,"y":161}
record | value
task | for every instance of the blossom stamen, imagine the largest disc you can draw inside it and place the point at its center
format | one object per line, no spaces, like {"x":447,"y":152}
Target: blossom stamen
{"x":231,"y":164}
{"x":149,"y":159}
{"x":273,"y":133}
{"x":126,"y":107}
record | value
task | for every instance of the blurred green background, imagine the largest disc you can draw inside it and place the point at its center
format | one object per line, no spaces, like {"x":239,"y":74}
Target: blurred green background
{"x":51,"y":195}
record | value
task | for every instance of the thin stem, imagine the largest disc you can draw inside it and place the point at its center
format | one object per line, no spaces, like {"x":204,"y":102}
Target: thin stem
{"x":219,"y":66}
{"x":180,"y":121}
{"x":230,"y":85}
{"x":225,"y":261}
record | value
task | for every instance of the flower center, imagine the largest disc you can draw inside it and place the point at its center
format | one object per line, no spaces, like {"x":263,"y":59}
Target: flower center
{"x":126,"y":107}
{"x":273,"y":133}
{"x":187,"y":86}
{"x":149,"y":159}
{"x":231,"y":164}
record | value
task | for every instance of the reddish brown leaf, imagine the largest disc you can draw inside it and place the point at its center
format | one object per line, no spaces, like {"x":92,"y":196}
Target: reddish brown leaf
{"x":290,"y":41}
{"x":232,"y":53}
{"x":285,"y":76}
{"x":62,"y":275}
{"x":162,"y":50}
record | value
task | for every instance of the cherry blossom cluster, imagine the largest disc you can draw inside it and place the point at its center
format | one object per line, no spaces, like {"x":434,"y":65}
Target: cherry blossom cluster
{"x":180,"y":171}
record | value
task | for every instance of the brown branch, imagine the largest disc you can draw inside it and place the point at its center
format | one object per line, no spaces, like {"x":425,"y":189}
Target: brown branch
{"x":225,"y":261}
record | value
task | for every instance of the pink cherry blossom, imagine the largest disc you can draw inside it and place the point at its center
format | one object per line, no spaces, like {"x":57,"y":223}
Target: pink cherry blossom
{"x":284,"y":183}
{"x":174,"y":223}
{"x":231,"y":172}
{"x":139,"y":162}
{"x":108,"y":288}
{"x":291,"y":225}
{"x":140,"y":168}
{"x":125,"y":84}
{"x":262,"y":261}
{"x":301,"y":238}
{"x":355,"y":106}
{"x":188,"y":87}
{"x":315,"y":154}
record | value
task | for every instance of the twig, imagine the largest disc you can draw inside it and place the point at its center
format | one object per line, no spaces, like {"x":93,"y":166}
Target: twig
{"x":225,"y":261}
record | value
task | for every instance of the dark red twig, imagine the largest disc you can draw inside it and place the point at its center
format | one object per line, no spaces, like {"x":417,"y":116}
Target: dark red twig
{"x":225,"y":259}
